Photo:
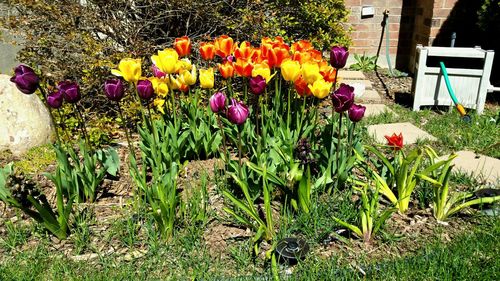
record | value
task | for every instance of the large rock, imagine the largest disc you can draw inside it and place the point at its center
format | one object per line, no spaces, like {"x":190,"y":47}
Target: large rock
{"x":25,"y":121}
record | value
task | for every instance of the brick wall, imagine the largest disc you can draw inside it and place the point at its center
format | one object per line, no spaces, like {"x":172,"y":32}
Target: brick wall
{"x":411,"y":22}
{"x":366,"y":32}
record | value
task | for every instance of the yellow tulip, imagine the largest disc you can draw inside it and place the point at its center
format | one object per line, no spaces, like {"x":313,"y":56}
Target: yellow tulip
{"x":207,"y":78}
{"x":290,"y":70}
{"x":188,"y":77}
{"x":159,"y":103}
{"x":160,"y":86}
{"x":310,"y":72}
{"x":129,"y":69}
{"x":320,"y":88}
{"x":166,"y":60}
{"x":183,"y":64}
{"x":263,"y":70}
{"x":174,"y":83}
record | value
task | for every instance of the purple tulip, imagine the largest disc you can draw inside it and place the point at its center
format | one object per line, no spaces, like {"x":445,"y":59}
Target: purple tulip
{"x":157,"y":72}
{"x":25,"y":79}
{"x":356,"y":112}
{"x":218,"y":102}
{"x":343,"y":98}
{"x":55,"y":99}
{"x":338,"y":57}
{"x":257,"y":85}
{"x":145,"y":89}
{"x":237,"y":112}
{"x":114,"y":89}
{"x":69,"y":90}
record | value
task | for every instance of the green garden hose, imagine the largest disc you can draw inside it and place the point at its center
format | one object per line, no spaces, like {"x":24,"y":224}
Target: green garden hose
{"x":387,"y":55}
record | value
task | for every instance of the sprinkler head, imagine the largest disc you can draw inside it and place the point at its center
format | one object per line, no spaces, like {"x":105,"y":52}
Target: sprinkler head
{"x":292,"y":249}
{"x":466,"y":118}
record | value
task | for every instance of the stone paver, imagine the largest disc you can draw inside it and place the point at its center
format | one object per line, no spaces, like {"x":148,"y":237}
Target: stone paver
{"x":351,"y":75}
{"x":368,"y":96}
{"x":366,"y":83}
{"x":376,"y":109}
{"x":410,"y":132}
{"x":483,"y":167}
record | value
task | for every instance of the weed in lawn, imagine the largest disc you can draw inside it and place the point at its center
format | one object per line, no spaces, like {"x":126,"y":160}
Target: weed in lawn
{"x":81,"y":233}
{"x":36,"y":160}
{"x":127,"y":230}
{"x":17,"y":234}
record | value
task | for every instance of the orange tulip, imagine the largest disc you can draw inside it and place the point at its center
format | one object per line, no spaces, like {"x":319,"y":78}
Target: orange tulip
{"x":316,"y":55}
{"x":243,"y":68}
{"x":301,"y":87}
{"x":224,"y":46}
{"x":244,"y":51}
{"x":257,"y":56}
{"x":183,"y":46}
{"x":277,"y":41}
{"x":301,"y":57}
{"x":207,"y":50}
{"x":276,"y":56}
{"x":184,"y":88}
{"x":301,"y":46}
{"x":226,"y":69}
{"x":328,"y":73}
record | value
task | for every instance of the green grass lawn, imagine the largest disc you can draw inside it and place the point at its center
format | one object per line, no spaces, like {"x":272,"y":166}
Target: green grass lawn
{"x":470,"y":256}
{"x":481,"y":135}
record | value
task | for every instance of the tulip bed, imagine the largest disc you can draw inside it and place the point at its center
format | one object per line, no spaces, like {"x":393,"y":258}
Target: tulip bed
{"x":256,"y":112}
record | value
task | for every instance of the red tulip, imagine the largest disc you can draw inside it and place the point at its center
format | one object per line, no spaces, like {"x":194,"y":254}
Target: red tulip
{"x":395,"y":141}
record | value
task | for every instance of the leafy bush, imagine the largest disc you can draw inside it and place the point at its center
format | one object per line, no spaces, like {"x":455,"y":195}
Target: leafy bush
{"x":61,"y":34}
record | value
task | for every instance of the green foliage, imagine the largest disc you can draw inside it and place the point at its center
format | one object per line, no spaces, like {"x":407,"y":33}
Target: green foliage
{"x":319,"y":21}
{"x":370,"y":219}
{"x":400,"y":173}
{"x":17,"y":192}
{"x":489,"y":15}
{"x":83,"y":171}
{"x":445,"y":204}
{"x":364,"y":63}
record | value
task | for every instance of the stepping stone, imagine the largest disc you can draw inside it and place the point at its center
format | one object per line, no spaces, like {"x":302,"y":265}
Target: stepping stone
{"x":367,"y":96}
{"x":366,"y":83}
{"x":351,"y":75}
{"x":376,"y":109}
{"x":410,"y":132}
{"x":480,"y":166}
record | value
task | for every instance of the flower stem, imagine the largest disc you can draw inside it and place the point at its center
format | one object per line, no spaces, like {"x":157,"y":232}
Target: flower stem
{"x":224,"y":147}
{"x":130,"y":147}
{"x":239,"y":152}
{"x":338,"y":146}
{"x":174,"y":112}
{"x":83,"y":128}
{"x":288,"y":111}
{"x":58,"y":140}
